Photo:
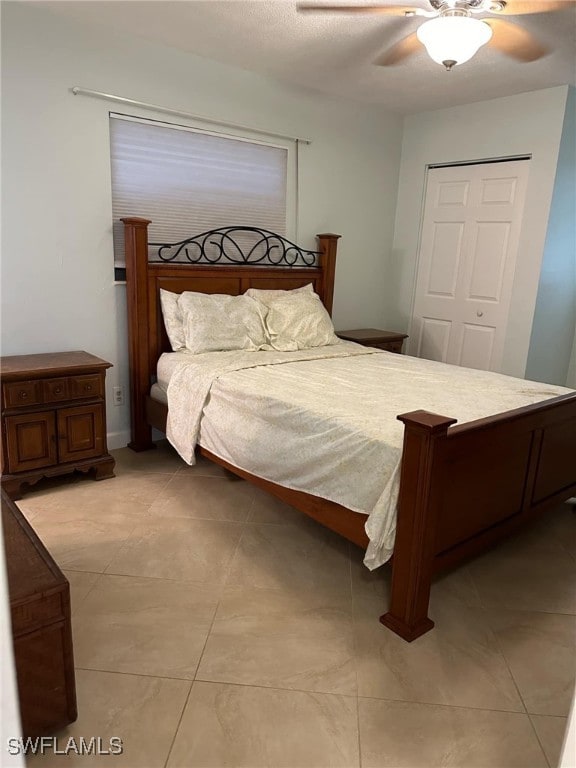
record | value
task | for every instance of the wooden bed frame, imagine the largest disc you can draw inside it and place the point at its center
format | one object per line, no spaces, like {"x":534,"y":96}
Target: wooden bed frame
{"x":462,"y":488}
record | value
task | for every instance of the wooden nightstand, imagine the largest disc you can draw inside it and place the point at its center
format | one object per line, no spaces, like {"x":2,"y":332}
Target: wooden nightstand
{"x":53,"y":418}
{"x":372,"y":337}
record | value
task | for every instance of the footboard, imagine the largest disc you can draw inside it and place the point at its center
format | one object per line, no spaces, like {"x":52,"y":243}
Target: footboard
{"x":465,"y":487}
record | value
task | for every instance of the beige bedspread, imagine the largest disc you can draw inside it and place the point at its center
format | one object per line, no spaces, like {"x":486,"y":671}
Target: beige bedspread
{"x":324,"y":421}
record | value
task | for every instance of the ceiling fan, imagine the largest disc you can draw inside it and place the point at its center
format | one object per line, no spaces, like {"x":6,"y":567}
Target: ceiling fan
{"x":452,"y":34}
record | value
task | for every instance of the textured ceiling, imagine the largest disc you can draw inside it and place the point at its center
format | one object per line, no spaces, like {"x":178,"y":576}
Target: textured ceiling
{"x":334,"y":53}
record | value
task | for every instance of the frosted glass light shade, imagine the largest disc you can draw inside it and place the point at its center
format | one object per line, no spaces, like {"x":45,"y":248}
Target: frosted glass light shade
{"x":453,"y":39}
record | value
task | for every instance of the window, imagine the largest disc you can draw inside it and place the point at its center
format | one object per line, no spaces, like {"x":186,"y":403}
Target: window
{"x":188,"y":181}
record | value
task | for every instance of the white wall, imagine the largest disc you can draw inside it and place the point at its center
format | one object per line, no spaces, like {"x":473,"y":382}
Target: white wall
{"x":554,"y":326}
{"x":526,"y":124}
{"x":57,"y":276}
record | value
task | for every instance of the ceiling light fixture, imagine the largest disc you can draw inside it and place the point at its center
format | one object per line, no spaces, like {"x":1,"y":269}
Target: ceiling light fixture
{"x":453,"y":38}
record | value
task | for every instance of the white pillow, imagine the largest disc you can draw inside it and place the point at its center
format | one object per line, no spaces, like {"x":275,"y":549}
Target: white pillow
{"x":266,"y":297}
{"x":299,"y":321}
{"x":216,"y":322}
{"x":173,"y":320}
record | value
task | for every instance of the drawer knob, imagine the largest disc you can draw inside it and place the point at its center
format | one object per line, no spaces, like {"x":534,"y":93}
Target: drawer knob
{"x":23,"y":395}
{"x":88,"y":387}
{"x":57,"y":390}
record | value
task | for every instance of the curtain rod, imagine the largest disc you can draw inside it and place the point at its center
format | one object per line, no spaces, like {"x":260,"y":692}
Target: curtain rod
{"x":78,"y":91}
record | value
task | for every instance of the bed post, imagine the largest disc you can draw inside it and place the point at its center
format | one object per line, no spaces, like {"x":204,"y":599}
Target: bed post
{"x":136,"y":246}
{"x":328,"y":245}
{"x":418,"y":505}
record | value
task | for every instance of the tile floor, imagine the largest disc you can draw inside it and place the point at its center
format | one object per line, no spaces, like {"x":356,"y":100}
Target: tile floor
{"x":215,"y":626}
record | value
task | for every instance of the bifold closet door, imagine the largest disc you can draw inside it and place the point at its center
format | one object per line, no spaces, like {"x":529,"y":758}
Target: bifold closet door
{"x":468,"y":250}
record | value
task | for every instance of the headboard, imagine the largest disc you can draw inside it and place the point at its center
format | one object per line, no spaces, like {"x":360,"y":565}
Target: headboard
{"x":215,"y":263}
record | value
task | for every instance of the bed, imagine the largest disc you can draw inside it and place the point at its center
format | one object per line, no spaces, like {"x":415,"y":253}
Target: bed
{"x":461,"y":487}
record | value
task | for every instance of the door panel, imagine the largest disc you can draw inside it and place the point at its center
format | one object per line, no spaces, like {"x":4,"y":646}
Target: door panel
{"x":498,"y":190}
{"x":31,"y":441}
{"x":80,"y":432}
{"x":445,"y":259}
{"x":489,"y":260}
{"x":434,"y":339}
{"x":468,"y":250}
{"x":476,"y":345}
{"x":453,"y":193}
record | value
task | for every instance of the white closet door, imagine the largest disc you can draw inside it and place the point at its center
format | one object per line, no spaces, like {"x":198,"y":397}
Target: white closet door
{"x":468,"y":252}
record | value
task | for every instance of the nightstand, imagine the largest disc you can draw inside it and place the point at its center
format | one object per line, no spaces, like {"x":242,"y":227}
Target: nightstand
{"x":53,"y":418}
{"x":372,"y":337}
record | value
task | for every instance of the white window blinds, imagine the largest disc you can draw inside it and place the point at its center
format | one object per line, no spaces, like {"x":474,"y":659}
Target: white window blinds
{"x":188,"y":182}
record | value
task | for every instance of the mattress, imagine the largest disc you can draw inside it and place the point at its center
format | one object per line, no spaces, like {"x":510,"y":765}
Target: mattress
{"x":167,"y":364}
{"x":324,"y":421}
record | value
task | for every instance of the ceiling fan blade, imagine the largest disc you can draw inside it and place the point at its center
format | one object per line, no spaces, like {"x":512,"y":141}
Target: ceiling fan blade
{"x":397,"y":53}
{"x":394,"y":10}
{"x":520,"y":7}
{"x":514,"y":41}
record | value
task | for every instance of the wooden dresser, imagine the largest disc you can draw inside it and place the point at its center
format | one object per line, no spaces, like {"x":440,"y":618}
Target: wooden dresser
{"x":373,"y":337}
{"x":40,"y":612}
{"x":53,"y":418}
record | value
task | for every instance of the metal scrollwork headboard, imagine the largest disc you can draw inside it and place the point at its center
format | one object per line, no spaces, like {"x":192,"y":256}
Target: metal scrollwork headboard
{"x":228,"y":260}
{"x":236,"y":245}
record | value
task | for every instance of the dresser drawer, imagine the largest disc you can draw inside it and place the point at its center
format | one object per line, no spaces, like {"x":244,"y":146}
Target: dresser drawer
{"x":26,"y":393}
{"x":85,"y":386}
{"x":390,"y":346}
{"x":391,"y":341}
{"x":55,"y":390}
{"x":22,"y":393}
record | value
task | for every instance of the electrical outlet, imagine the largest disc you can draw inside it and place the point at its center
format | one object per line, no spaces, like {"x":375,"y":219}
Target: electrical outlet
{"x":118,"y":395}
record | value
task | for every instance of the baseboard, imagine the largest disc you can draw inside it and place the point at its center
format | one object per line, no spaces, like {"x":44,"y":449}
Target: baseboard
{"x":118,"y":439}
